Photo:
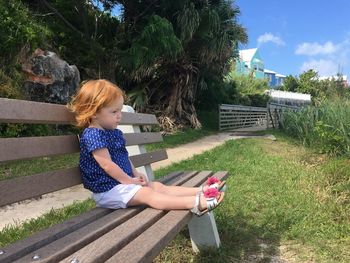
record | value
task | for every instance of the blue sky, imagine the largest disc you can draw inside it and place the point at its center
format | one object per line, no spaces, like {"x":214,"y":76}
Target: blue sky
{"x":295,"y":35}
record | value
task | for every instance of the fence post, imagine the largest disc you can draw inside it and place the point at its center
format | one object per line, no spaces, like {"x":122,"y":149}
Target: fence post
{"x":267,"y":115}
{"x":219,"y":117}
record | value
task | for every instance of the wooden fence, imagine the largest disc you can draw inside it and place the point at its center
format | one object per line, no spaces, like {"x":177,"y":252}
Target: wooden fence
{"x":233,"y":117}
{"x":275,"y":113}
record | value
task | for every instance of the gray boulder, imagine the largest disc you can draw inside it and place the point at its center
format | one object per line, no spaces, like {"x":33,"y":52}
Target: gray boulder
{"x":49,"y":78}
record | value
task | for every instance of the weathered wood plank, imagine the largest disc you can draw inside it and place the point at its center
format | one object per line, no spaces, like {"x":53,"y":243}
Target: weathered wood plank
{"x":104,"y":247}
{"x":150,"y":244}
{"x":147,"y":158}
{"x":142,"y":138}
{"x":18,"y":189}
{"x":32,"y":147}
{"x":153,"y":240}
{"x":41,"y":238}
{"x":21,"y":111}
{"x":39,"y":184}
{"x":82,"y":236}
{"x":45,"y":237}
{"x":68,"y":244}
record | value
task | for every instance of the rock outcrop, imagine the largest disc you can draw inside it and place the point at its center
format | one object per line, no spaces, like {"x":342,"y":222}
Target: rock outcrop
{"x":49,"y":78}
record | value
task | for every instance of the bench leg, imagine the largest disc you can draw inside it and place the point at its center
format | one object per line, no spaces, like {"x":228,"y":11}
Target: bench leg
{"x":203,"y":232}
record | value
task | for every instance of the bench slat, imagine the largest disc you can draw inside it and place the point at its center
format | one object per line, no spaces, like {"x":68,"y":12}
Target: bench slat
{"x":157,"y":237}
{"x":147,"y":158}
{"x":182,"y":178}
{"x":75,"y":240}
{"x":142,"y":138}
{"x":36,"y":185}
{"x":46,"y":236}
{"x":32,"y":147}
{"x":21,"y":111}
{"x":39,"y":239}
{"x":104,"y":247}
{"x":43,"y":183}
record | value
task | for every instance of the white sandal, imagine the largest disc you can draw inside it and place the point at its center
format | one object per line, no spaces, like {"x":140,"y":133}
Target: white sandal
{"x":212,"y":203}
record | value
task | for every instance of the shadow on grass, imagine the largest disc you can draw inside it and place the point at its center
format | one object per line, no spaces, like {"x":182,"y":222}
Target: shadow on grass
{"x":240,"y":242}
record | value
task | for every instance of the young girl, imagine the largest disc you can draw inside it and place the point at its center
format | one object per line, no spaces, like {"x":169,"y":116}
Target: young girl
{"x":104,"y":162}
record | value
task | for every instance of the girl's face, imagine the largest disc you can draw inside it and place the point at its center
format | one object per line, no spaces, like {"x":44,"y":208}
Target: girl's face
{"x":109,"y":117}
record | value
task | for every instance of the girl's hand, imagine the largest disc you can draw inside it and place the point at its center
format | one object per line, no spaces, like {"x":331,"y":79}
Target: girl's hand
{"x":140,"y":181}
{"x":141,"y":178}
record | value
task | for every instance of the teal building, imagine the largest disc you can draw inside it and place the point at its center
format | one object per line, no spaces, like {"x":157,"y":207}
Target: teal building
{"x":250,"y":61}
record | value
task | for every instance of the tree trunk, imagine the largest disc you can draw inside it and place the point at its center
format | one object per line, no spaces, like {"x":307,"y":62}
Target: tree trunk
{"x":180,"y":111}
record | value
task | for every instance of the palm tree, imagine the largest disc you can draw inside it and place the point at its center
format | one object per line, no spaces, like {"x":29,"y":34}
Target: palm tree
{"x":170,"y":48}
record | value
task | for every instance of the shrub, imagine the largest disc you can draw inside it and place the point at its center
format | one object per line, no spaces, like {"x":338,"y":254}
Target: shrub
{"x":326,"y":127}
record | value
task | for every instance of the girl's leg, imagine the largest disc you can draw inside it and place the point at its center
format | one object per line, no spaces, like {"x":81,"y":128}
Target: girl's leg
{"x":174,"y":190}
{"x":147,"y":196}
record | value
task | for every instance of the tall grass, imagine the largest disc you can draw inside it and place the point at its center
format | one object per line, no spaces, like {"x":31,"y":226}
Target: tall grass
{"x":326,"y":127}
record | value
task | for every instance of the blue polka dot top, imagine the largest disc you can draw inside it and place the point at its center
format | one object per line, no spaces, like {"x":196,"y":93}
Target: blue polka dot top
{"x":93,"y":176}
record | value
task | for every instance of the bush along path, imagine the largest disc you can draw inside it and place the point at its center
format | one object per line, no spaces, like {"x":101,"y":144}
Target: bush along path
{"x":283,"y":204}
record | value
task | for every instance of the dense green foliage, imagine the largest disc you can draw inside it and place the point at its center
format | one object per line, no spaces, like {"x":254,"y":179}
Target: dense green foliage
{"x":323,"y":125}
{"x":326,"y":127}
{"x":320,"y":90}
{"x":197,"y":40}
{"x":235,"y":89}
{"x":163,"y":53}
{"x":20,"y":33}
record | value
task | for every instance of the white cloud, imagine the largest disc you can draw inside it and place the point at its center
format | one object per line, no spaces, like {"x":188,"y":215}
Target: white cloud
{"x":327,"y":59}
{"x":312,"y":49}
{"x":324,"y":67}
{"x":269,"y":37}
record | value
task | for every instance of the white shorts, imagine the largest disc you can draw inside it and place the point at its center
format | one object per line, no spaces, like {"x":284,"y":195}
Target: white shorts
{"x":117,"y":197}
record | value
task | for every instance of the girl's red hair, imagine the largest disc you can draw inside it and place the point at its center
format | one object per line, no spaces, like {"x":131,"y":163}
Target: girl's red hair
{"x":91,"y":97}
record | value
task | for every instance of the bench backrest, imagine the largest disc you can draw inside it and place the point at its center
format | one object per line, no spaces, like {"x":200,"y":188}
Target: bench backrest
{"x":20,"y":148}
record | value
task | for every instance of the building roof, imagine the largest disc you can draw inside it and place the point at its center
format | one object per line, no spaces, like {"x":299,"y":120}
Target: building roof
{"x":288,"y":95}
{"x":343,"y":77}
{"x":247,"y":54}
{"x":269,"y":71}
{"x":280,"y":75}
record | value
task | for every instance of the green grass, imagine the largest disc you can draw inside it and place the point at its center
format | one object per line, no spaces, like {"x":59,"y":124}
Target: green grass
{"x":282,"y":201}
{"x":14,"y":232}
{"x":38,"y":165}
{"x":279,"y":203}
{"x":325,"y":127}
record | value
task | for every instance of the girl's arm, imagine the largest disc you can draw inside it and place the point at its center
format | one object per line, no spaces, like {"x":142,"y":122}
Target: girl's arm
{"x":103,"y":158}
{"x":137,"y":174}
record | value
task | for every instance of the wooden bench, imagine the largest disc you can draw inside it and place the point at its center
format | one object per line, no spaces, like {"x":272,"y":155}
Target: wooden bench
{"x":99,"y":235}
